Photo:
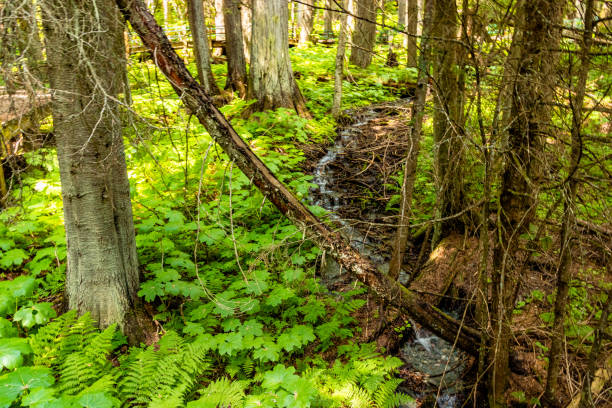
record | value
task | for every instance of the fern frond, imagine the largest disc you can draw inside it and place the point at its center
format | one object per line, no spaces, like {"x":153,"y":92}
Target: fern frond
{"x":384,"y":395}
{"x":222,"y":393}
{"x":165,"y":376}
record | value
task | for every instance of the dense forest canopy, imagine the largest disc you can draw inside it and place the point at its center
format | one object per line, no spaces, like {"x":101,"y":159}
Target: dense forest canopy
{"x":307,"y":203}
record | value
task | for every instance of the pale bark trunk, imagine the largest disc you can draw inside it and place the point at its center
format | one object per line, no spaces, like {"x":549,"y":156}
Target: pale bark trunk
{"x":569,"y":216}
{"x":364,"y":34}
{"x":533,"y":82}
{"x":219,"y":21}
{"x":350,"y":20}
{"x":102,"y":272}
{"x":195,"y":97}
{"x":411,"y":26}
{"x":418,"y":111}
{"x":402,"y":19}
{"x":195,"y":10}
{"x":271,"y":79}
{"x":339,"y":71}
{"x":236,"y":63}
{"x":246,"y":18}
{"x":306,"y":15}
{"x":448,"y":148}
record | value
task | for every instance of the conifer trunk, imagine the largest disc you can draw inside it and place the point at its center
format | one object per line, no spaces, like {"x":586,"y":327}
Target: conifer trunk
{"x":236,"y":64}
{"x":448,"y":148}
{"x":339,"y":70}
{"x":195,"y":10}
{"x":102,"y":272}
{"x":271,"y":80}
{"x":537,"y":26}
{"x":569,"y":216}
{"x":306,"y":17}
{"x":364,"y":34}
{"x":410,"y":166}
{"x":412,"y":19}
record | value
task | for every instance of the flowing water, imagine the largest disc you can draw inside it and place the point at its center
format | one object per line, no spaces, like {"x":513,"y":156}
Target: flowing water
{"x":426,"y":353}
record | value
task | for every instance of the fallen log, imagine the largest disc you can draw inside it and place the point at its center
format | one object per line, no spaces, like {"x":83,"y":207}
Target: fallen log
{"x":195,"y":98}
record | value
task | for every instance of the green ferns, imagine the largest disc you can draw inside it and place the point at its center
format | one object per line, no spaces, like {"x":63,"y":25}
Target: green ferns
{"x":162,"y":376}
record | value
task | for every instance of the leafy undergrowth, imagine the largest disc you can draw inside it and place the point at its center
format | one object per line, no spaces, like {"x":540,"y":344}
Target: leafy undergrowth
{"x":232,"y":284}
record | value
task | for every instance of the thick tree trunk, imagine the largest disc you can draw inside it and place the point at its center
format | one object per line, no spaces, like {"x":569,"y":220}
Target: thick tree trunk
{"x":195,"y":97}
{"x":448,"y":147}
{"x":271,"y":79}
{"x":236,"y":63}
{"x":418,"y":111}
{"x":569,"y":216}
{"x":306,"y":15}
{"x":531,"y":92}
{"x":364,"y":35}
{"x":411,"y":26}
{"x":102,"y":273}
{"x":339,"y":71}
{"x":195,"y":10}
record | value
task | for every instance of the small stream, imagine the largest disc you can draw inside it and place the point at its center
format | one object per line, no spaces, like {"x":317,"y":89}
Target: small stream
{"x":425,"y":353}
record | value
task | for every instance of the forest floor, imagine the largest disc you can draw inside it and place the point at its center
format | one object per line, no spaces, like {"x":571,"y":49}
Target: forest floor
{"x":365,"y":180}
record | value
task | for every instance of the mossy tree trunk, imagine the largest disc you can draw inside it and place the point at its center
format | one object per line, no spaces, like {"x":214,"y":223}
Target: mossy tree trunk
{"x":102,"y":273}
{"x":536,"y":42}
{"x":448,"y":146}
{"x":569,"y":191}
{"x":412,"y":156}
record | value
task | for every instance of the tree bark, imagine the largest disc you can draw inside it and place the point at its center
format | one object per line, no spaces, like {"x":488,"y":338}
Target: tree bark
{"x":569,"y":191}
{"x":306,"y":15}
{"x":411,"y":27}
{"x":195,"y":10}
{"x":246,"y":18}
{"x":537,"y":24}
{"x":102,"y":273}
{"x":195,"y":97}
{"x":339,"y":71}
{"x":236,"y":64}
{"x":271,"y":79}
{"x":219,"y":20}
{"x":448,"y":147}
{"x":328,"y":19}
{"x":418,"y":111}
{"x":364,"y":35}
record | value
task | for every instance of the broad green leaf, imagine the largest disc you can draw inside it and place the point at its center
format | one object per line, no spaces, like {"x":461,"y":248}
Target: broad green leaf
{"x":39,"y":396}
{"x":13,"y":257}
{"x":7,"y":329}
{"x":13,"y":384}
{"x":38,"y":314}
{"x":269,"y":351}
{"x":12,"y":351}
{"x":278,"y":376}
